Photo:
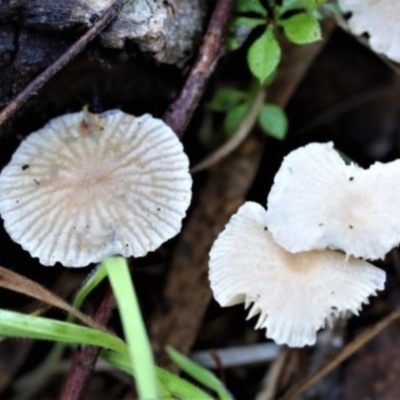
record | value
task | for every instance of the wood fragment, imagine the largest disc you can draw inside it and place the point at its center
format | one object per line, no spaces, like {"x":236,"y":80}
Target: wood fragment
{"x":49,"y":72}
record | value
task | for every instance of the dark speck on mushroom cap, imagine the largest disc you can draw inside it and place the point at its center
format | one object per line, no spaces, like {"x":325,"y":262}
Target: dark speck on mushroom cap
{"x":79,"y":186}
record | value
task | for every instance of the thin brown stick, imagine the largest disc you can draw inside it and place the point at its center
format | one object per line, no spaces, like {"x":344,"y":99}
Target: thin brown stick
{"x":84,"y":360}
{"x":343,"y":355}
{"x":50,"y":71}
{"x":181,"y":110}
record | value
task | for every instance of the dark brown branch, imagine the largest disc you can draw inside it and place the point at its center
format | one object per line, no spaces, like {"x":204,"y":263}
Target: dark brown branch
{"x":85,"y":359}
{"x":72,"y":52}
{"x":181,"y":110}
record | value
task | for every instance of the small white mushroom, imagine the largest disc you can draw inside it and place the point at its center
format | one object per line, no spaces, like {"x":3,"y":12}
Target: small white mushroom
{"x":88,"y":186}
{"x":295,"y":294}
{"x":380,"y":19}
{"x":318,"y":202}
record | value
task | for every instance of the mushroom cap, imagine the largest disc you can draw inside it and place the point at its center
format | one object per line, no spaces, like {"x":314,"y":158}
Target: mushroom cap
{"x":319,"y":202}
{"x":380,"y":19}
{"x":88,"y":186}
{"x":295,"y":294}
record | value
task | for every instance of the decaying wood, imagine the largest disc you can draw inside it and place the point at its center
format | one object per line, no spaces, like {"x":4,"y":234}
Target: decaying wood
{"x":166,"y":29}
{"x":187,"y":293}
{"x":49,"y":72}
{"x":35,"y":33}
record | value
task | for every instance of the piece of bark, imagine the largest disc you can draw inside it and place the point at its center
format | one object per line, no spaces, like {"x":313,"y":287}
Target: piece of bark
{"x":166,"y":29}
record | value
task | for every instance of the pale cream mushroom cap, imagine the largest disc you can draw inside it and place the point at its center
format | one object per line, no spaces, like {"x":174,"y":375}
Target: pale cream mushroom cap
{"x":318,"y":202}
{"x":89,"y":186}
{"x":294,"y":294}
{"x":380,"y":19}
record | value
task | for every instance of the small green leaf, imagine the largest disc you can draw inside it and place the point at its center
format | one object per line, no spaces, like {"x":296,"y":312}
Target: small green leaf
{"x":313,"y":4}
{"x":200,"y":374}
{"x":240,"y":29}
{"x":264,"y":55}
{"x":225,"y":99}
{"x":288,"y":5}
{"x":246,"y":6}
{"x":234,"y":117}
{"x":273,"y":121}
{"x":302,"y":28}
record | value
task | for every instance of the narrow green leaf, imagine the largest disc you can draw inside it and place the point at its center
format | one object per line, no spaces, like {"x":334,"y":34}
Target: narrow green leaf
{"x":247,"y":6}
{"x":226,"y":98}
{"x":235,"y":116}
{"x":181,"y":388}
{"x":198,"y":373}
{"x":273,"y":121}
{"x":91,"y":282}
{"x":169,"y":383}
{"x":239,"y":30}
{"x":14,"y":324}
{"x":264,"y":55}
{"x":134,"y":329}
{"x":302,"y":28}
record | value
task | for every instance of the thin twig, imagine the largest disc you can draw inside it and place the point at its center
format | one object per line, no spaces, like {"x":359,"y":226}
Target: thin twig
{"x":84,"y":360}
{"x":237,"y":139}
{"x":343,"y":355}
{"x":50,"y":71}
{"x":181,"y":110}
{"x":271,"y":381}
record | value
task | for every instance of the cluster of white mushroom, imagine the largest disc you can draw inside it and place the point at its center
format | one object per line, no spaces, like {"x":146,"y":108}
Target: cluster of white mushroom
{"x":89,"y":186}
{"x":301,"y":262}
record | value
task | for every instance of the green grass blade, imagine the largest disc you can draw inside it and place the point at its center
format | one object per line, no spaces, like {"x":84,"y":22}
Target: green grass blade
{"x":123,"y":362}
{"x":134,"y":329}
{"x":200,"y":374}
{"x":91,"y":282}
{"x":169,"y":383}
{"x":14,"y":324}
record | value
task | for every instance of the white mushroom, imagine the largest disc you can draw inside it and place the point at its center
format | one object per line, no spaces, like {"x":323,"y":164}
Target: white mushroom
{"x":380,"y":19}
{"x":88,"y":186}
{"x":295,"y":294}
{"x":318,"y":202}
